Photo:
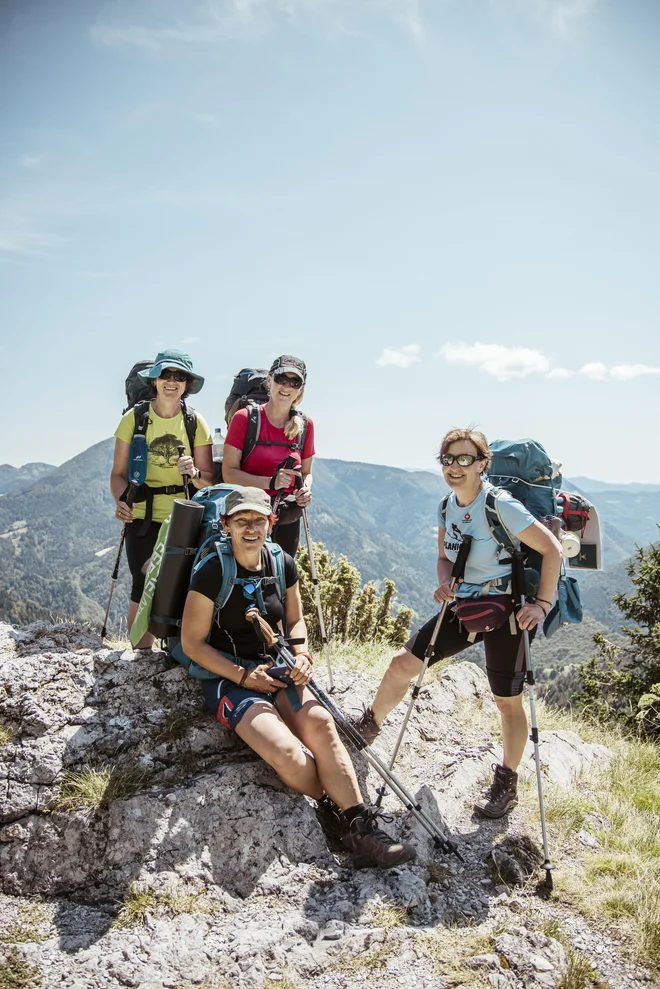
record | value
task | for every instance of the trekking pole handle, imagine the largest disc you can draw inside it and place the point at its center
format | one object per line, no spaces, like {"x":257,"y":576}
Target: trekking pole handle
{"x":458,"y":569}
{"x":186,"y":477}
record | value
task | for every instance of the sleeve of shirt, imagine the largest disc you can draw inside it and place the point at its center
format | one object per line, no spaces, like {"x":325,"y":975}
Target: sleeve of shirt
{"x":291,"y":575}
{"x":237,"y":429}
{"x":126,"y":427}
{"x":514,"y":515}
{"x":308,"y":448}
{"x":202,"y":433}
{"x":208,"y":578}
{"x":442,"y":518}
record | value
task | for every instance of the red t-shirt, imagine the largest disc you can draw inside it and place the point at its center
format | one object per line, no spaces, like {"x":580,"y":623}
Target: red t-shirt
{"x":264,"y":459}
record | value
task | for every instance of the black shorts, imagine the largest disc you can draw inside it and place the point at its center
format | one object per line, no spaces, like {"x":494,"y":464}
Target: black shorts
{"x":138,"y":551}
{"x":505,"y":653}
{"x":287,"y":536}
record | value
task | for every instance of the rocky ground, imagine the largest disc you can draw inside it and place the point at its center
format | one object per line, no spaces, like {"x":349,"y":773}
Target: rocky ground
{"x":200,"y":869}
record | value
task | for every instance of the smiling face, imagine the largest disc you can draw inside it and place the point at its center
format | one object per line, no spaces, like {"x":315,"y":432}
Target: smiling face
{"x":285,"y":388}
{"x":168,"y":387}
{"x":463,"y":478}
{"x":247,"y":529}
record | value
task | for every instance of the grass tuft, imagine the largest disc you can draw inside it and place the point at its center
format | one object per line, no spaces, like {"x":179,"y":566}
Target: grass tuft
{"x":27,"y":925}
{"x":6,"y":734}
{"x":98,"y":787}
{"x":15,"y":973}
{"x":141,"y":901}
{"x":579,"y":974}
{"x":388,"y":917}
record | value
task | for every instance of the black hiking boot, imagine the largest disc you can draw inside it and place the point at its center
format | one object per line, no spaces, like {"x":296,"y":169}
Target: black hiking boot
{"x":501,"y":796}
{"x":366,"y":724}
{"x":329,"y":817}
{"x":370,"y":845}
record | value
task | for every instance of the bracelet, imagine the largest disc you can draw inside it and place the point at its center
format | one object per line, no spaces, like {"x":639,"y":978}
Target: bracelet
{"x":244,"y":677}
{"x":306,"y":655}
{"x":543,"y":601}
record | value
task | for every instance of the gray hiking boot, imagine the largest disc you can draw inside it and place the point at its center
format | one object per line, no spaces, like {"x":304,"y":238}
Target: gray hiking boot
{"x":366,"y":724}
{"x":501,"y":796}
{"x":370,"y":845}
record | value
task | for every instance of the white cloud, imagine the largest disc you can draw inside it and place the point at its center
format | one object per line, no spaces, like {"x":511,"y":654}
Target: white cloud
{"x":501,"y":362}
{"x":400,"y":357}
{"x":213,"y":22}
{"x":33,"y":161}
{"x":596,"y":371}
{"x":624,"y":372}
{"x":560,"y":373}
{"x":20,"y":236}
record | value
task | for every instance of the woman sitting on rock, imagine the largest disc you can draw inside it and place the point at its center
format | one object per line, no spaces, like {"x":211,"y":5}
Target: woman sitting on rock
{"x":284,"y":433}
{"x":273,"y":719}
{"x":465,"y":457}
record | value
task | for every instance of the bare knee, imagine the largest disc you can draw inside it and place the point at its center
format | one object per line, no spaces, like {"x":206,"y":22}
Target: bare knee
{"x":404,"y":666}
{"x":318,"y":727}
{"x":509,"y":705}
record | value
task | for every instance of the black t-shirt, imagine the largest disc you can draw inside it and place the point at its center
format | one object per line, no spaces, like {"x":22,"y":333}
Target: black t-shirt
{"x":231,"y":632}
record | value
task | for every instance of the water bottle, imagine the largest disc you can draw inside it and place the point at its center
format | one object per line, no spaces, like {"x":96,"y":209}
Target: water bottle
{"x":218,"y":444}
{"x":570,"y":543}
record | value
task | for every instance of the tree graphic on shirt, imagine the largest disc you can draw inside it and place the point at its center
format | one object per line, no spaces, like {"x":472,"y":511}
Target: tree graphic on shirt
{"x":164,"y":450}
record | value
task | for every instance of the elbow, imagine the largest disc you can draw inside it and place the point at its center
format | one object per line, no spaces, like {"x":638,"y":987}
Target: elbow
{"x":189,"y":642}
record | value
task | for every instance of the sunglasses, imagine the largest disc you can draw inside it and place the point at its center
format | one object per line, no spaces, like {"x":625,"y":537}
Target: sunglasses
{"x":170,"y":372}
{"x":462,"y":459}
{"x":286,"y":379}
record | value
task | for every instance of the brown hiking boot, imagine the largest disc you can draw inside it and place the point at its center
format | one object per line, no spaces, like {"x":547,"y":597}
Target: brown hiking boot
{"x":329,"y":817}
{"x":370,"y":845}
{"x":501,"y":796}
{"x":366,"y":724}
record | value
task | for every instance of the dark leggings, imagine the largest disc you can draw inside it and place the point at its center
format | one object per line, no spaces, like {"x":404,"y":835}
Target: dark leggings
{"x":505,"y":653}
{"x":287,"y":536}
{"x":138,"y":551}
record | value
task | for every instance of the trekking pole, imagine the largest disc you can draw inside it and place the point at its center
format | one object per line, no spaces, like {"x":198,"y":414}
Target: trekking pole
{"x":440,"y":840}
{"x":290,"y":465}
{"x":186,"y":477}
{"x":115,"y":573}
{"x":519,"y":583}
{"x":456,"y":573}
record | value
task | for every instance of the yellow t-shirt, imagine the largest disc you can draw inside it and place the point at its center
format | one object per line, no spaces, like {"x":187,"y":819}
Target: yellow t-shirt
{"x":163,"y":436}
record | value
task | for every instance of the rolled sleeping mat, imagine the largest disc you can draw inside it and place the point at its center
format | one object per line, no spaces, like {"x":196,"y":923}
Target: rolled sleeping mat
{"x":174,"y":574}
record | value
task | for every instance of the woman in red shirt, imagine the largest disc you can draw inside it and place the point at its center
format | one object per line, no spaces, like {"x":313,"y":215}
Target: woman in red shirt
{"x":283,"y":434}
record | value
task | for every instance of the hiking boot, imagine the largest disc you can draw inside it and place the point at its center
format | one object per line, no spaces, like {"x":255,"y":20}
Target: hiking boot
{"x":366,"y":724}
{"x":370,"y":845}
{"x":329,"y":817}
{"x":501,"y":796}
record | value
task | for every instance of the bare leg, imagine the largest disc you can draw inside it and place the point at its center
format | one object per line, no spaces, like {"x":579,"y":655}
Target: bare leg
{"x":395,"y":683}
{"x":147,"y":639}
{"x":514,"y":729}
{"x":262,"y":728}
{"x":316,"y":729}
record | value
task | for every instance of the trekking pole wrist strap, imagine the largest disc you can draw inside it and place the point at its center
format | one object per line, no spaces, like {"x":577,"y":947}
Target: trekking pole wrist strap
{"x":244,"y":677}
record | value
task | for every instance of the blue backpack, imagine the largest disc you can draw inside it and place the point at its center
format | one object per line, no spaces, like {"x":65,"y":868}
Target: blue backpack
{"x":215,"y":544}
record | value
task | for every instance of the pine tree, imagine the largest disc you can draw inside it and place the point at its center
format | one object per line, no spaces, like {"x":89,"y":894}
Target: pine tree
{"x":622,"y":683}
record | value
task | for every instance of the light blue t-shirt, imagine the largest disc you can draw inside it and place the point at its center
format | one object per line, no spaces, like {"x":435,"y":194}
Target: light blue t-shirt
{"x":482,"y":564}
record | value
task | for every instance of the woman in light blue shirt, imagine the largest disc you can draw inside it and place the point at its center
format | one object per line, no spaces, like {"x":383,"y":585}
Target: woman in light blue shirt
{"x":465,"y":458}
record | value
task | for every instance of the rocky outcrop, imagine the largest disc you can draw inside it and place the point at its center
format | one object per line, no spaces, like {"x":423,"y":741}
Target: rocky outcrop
{"x":198,"y":864}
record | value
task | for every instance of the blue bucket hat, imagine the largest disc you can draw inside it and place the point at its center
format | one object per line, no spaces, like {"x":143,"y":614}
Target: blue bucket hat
{"x":174,"y":358}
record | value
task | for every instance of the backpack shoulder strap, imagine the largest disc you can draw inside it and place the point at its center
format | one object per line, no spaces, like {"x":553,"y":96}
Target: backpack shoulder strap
{"x":190,"y":422}
{"x":141,"y":415}
{"x":253,"y":430}
{"x":506,"y":541}
{"x":442,"y":514}
{"x":228,"y":566}
{"x":275,"y":562}
{"x":303,"y":435}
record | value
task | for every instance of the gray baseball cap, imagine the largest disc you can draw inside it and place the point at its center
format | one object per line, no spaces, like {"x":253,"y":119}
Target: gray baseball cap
{"x":247,"y":500}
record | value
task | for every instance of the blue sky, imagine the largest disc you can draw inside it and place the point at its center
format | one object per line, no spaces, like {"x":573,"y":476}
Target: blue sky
{"x":449,"y":208}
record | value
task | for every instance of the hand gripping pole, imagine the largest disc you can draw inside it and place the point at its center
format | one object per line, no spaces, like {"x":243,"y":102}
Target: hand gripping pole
{"x":519,"y":588}
{"x":186,"y":477}
{"x":456,"y":574}
{"x":440,"y":840}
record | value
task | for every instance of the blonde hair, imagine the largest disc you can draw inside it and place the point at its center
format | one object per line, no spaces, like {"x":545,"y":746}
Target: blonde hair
{"x":472,"y":436}
{"x":293,"y":427}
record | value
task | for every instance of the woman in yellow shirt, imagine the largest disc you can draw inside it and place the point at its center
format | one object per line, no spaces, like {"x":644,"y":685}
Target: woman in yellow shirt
{"x":173,"y":379}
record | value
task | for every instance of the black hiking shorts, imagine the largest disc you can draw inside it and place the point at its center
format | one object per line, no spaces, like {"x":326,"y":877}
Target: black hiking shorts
{"x":505,"y":653}
{"x":138,"y":551}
